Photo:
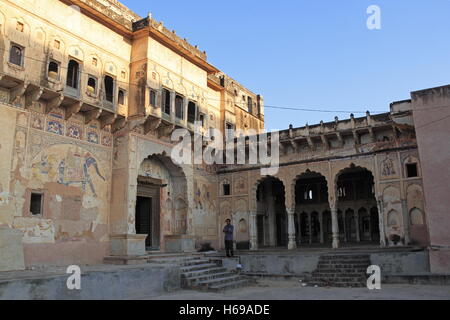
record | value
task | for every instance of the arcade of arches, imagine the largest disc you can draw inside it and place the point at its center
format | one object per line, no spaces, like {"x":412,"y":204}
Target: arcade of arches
{"x":353,"y":219}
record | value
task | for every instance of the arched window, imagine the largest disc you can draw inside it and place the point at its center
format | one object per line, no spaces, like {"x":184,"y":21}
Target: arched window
{"x":73,"y":71}
{"x":109,"y":89}
{"x":53,"y":70}
{"x":192,"y":112}
{"x":92,"y":85}
{"x":179,"y":107}
{"x":121,"y":97}
{"x":16,"y":55}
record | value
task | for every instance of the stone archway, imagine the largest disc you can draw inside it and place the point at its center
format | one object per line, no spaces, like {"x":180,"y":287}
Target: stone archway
{"x":162,"y":181}
{"x":355,"y":188}
{"x":271,"y":217}
{"x":310,"y":193}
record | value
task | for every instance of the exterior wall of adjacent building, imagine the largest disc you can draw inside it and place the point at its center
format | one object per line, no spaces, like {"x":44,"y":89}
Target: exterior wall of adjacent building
{"x":385,"y":156}
{"x":431,"y":116}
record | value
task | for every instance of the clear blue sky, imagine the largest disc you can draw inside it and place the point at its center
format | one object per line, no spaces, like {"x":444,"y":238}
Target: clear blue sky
{"x":317,"y":53}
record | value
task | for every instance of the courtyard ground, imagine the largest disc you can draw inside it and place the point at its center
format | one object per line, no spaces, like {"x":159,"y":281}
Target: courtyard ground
{"x":293,"y":290}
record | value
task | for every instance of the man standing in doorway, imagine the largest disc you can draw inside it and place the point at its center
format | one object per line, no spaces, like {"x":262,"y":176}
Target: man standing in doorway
{"x":229,"y":230}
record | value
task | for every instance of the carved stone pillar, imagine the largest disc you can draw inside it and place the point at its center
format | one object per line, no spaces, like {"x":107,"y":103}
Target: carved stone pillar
{"x":310,"y":227}
{"x":335,"y":227}
{"x":253,"y":231}
{"x":358,"y":235}
{"x":405,"y":221}
{"x":322,"y":239}
{"x":381,"y":223}
{"x":344,"y":220}
{"x":291,"y":229}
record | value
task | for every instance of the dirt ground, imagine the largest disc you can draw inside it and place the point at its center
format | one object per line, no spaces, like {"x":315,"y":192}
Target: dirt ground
{"x":293,"y":290}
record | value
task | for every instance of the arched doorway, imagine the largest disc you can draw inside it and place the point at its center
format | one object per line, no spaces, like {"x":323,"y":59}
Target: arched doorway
{"x":272,"y":228}
{"x":161,"y":204}
{"x":312,"y":209}
{"x":356,"y":199}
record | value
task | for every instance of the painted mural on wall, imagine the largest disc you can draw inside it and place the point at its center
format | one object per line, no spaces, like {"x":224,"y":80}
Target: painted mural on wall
{"x":76,"y":167}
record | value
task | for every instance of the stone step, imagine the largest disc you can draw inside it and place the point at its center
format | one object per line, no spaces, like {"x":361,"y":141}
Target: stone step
{"x":230,"y":285}
{"x":126,"y":260}
{"x":345,"y":257}
{"x":346,"y":262}
{"x":337,"y":275}
{"x":341,"y":270}
{"x":180,"y":261}
{"x":192,"y":281}
{"x":341,"y":280}
{"x":198,"y":267}
{"x":191,"y":274}
{"x":218,"y":281}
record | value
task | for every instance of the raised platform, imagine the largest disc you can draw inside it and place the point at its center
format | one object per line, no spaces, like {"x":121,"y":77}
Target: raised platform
{"x":304,"y":261}
{"x":103,"y":282}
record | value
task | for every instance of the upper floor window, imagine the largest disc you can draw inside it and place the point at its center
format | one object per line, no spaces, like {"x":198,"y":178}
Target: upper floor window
{"x":201,"y":119}
{"x":179,"y":107}
{"x":226,"y":188}
{"x":16,"y":55}
{"x":121,"y":97}
{"x":92,"y":85}
{"x":109,"y":89}
{"x":152,"y":98}
{"x":192,"y":112}
{"x":73,"y":71}
{"x":411,"y":170}
{"x":53,"y":70}
{"x":167,"y":100}
{"x":250,"y":105}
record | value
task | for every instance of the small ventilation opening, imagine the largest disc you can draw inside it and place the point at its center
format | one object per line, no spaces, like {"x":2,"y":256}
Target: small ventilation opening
{"x":36,"y":204}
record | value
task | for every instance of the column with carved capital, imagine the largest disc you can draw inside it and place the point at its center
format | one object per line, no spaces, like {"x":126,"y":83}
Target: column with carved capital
{"x":291,"y":229}
{"x":381,"y":222}
{"x":253,"y":231}
{"x":335,"y":226}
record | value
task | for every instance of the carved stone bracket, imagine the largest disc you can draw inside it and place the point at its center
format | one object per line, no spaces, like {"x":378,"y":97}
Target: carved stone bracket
{"x":151,"y":125}
{"x":166,"y":131}
{"x":107,"y":120}
{"x":92,"y":115}
{"x":118,"y":124}
{"x":54,"y":103}
{"x":33,"y":96}
{"x":17,"y":92}
{"x":73,"y":109}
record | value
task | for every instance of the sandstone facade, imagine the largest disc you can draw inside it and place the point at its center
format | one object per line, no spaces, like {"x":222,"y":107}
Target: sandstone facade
{"x":90,"y":94}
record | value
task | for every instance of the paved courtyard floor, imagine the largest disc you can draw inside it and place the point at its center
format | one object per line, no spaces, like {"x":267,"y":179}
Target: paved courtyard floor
{"x":293,"y":290}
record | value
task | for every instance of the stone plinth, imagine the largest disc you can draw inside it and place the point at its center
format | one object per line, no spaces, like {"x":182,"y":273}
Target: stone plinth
{"x":128,"y":245}
{"x":11,"y":250}
{"x":179,"y":244}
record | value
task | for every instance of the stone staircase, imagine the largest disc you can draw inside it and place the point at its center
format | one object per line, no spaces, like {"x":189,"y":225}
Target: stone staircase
{"x":202,"y":273}
{"x":341,"y":271}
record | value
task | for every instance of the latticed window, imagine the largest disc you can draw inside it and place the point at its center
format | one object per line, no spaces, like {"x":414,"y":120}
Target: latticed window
{"x":16,"y":55}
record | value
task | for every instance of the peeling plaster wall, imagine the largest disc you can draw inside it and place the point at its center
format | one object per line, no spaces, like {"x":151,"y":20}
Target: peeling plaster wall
{"x":74,"y":178}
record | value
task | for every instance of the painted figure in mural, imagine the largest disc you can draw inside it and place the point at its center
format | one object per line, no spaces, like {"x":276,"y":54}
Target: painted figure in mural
{"x":90,"y":162}
{"x":388,"y":168}
{"x":229,"y":230}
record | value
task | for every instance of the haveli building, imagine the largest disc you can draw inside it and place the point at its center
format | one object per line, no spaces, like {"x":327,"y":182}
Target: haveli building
{"x":90,"y":94}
